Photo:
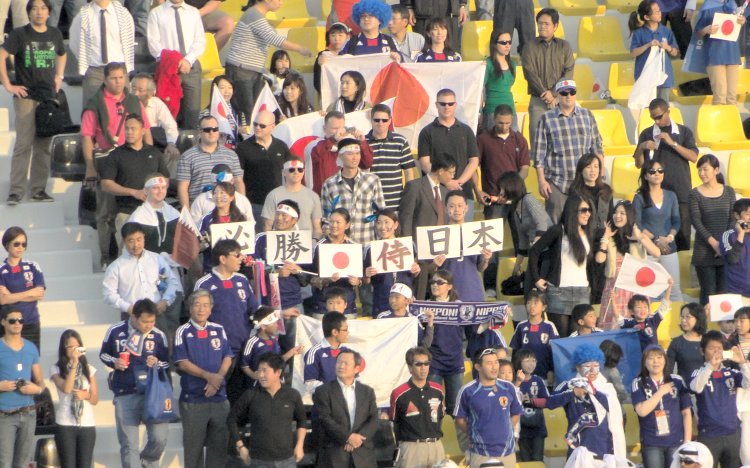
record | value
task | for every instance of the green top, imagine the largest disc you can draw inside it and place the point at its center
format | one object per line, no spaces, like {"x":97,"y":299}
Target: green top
{"x":497,"y":90}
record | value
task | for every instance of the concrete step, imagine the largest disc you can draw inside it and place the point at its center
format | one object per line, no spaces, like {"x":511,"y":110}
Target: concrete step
{"x":75,"y":287}
{"x":62,"y":191}
{"x":71,"y":313}
{"x":32,"y":215}
{"x":60,"y":238}
{"x":63,"y":262}
{"x":7,"y":139}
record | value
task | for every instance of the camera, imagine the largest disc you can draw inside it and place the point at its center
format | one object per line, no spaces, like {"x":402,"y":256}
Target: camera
{"x":20,"y":383}
{"x":745,"y":225}
{"x":726,"y":355}
{"x":81,"y":350}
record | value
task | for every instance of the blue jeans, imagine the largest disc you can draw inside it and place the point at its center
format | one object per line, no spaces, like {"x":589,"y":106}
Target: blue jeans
{"x":128,"y":416}
{"x":657,"y":457}
{"x":16,"y":439}
{"x":452,"y":384}
{"x":288,"y":463}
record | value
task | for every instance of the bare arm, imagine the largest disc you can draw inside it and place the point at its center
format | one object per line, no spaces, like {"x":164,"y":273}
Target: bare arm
{"x":182,"y":191}
{"x":239,"y":185}
{"x":425,"y":164}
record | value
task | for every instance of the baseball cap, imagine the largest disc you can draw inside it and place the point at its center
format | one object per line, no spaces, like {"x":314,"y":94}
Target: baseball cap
{"x":401,"y":288}
{"x":565,"y":85}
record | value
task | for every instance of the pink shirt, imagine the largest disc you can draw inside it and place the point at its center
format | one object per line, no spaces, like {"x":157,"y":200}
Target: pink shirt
{"x":90,"y":125}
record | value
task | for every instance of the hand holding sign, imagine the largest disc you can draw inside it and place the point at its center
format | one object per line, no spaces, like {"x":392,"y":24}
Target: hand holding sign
{"x":728,"y":27}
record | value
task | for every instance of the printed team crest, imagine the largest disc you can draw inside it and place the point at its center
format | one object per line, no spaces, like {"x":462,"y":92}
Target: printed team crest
{"x":466,"y":312}
{"x":242,"y":294}
{"x":729,"y":383}
{"x":544,"y":338}
{"x":649,"y":331}
{"x":167,"y":404}
{"x":534,"y":391}
{"x":386,"y":49}
{"x":28,"y":276}
{"x":149,"y":345}
{"x":215,"y":343}
{"x":503,"y":401}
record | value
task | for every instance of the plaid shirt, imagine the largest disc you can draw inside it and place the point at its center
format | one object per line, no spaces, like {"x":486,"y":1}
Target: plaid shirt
{"x":561,"y":141}
{"x":367,"y":189}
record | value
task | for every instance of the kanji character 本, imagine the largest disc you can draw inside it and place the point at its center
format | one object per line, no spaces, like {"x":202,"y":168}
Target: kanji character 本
{"x":289,"y":247}
{"x":240,"y":236}
{"x":439,"y":237}
{"x":393,"y":253}
{"x":484,"y":239}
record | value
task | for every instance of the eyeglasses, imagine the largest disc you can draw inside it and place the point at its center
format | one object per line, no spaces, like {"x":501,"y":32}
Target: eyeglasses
{"x":585,"y":210}
{"x":504,"y":42}
{"x":438,"y":282}
{"x":656,"y":171}
{"x":237,"y":254}
{"x":292,"y":170}
{"x":14,"y":321}
{"x":258,"y":124}
{"x":422,"y":364}
{"x":381,"y":120}
{"x":342,"y":330}
{"x":447,"y":104}
{"x":209,"y":129}
{"x":658,"y":117}
{"x":19,"y":244}
{"x":572,"y":92}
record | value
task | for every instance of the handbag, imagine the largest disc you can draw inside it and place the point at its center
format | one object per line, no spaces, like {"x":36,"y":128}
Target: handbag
{"x":512,"y":285}
{"x":158,"y":404}
{"x":52,"y":116}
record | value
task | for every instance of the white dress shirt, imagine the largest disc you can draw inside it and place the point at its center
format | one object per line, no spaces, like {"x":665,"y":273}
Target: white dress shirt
{"x":129,"y":279}
{"x":159,"y":116}
{"x":351,"y":400}
{"x":114,"y":46}
{"x":162,"y":31}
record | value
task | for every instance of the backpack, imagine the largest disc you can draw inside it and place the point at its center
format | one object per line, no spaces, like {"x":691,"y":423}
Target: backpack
{"x":52,"y":116}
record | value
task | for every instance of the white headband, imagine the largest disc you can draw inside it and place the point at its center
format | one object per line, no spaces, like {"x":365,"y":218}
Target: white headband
{"x":269,"y":319}
{"x":287,"y":209}
{"x":155,"y":181}
{"x":348,"y":148}
{"x":293,"y":163}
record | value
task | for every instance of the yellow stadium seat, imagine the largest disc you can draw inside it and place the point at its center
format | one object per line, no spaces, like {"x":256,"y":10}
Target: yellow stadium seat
{"x":743,"y":85}
{"x":559,"y":32}
{"x":233,"y":8}
{"x":557,"y":426}
{"x":525,"y":133}
{"x":738,"y":172}
{"x":624,"y":178}
{"x":670,"y":325}
{"x":507,"y":332}
{"x":210,"y":61}
{"x":621,"y":79}
{"x":623,"y":6}
{"x":314,"y":38}
{"x":695,"y":180}
{"x":681,"y":77}
{"x":578,"y":7}
{"x":450,"y":440}
{"x":632,"y":427}
{"x":325,"y":9}
{"x":292,"y":14}
{"x":520,"y":91}
{"x":504,"y":270}
{"x":532,"y":182}
{"x":686,"y":279}
{"x":475,"y":40}
{"x":720,"y":127}
{"x":600,"y":39}
{"x":587,"y":96}
{"x":614,"y":134}
{"x":530,"y":465}
{"x":645,"y":121}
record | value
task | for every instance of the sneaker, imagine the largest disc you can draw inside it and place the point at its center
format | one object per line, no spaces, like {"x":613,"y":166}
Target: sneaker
{"x":13,"y":199}
{"x":490,"y":293}
{"x":42,"y":196}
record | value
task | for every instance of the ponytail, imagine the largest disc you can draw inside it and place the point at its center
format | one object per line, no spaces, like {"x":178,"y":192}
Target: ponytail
{"x":638,"y":18}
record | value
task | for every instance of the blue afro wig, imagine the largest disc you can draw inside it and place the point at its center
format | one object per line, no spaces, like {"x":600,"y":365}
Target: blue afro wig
{"x":377,"y":8}
{"x":587,"y":353}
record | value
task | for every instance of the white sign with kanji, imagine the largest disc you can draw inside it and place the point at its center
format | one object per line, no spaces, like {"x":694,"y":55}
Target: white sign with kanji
{"x":438,"y":240}
{"x":479,"y":235}
{"x":392,"y":255}
{"x":291,"y":246}
{"x":243,"y":232}
{"x":344,"y":259}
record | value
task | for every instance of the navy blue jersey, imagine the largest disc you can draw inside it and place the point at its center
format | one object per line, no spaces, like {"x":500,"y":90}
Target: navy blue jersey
{"x":490,"y":338}
{"x":646,"y":329}
{"x":22,"y":277}
{"x":536,"y":337}
{"x":320,"y":362}
{"x":532,"y":421}
{"x":290,"y":288}
{"x":361,"y":45}
{"x":466,"y":280}
{"x":206,"y":348}
{"x":430,"y":56}
{"x":382,"y":282}
{"x":671,"y":405}
{"x":716,"y":400}
{"x":257,"y":347}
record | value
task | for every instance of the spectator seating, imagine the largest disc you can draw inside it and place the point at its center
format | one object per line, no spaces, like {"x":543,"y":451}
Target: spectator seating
{"x":720,"y":127}
{"x":588,"y":89}
{"x":559,"y":33}
{"x":475,"y":40}
{"x":743,"y":85}
{"x":520,"y":91}
{"x":645,"y":121}
{"x":233,"y":8}
{"x":504,"y":270}
{"x":624,"y":180}
{"x":577,"y":7}
{"x":532,"y":183}
{"x":670,"y":325}
{"x":632,"y":426}
{"x":525,"y":132}
{"x":614,"y":133}
{"x":681,"y":77}
{"x":312,"y":37}
{"x":623,"y":6}
{"x":557,"y":426}
{"x":620,"y":81}
{"x":292,"y":14}
{"x":450,"y":440}
{"x":600,"y":39}
{"x":695,"y":180}
{"x":211,"y":66}
{"x":738,"y":172}
{"x":686,"y":279}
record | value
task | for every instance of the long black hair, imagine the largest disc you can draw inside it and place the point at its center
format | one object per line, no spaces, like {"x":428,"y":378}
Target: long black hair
{"x":359,"y":80}
{"x":569,"y":221}
{"x":712,"y":161}
{"x":441,"y":22}
{"x":645,"y":188}
{"x":235,"y":215}
{"x":638,"y":18}
{"x":303,"y":103}
{"x":621,"y":237}
{"x":62,"y":355}
{"x":498,"y":72}
{"x":605,"y":191}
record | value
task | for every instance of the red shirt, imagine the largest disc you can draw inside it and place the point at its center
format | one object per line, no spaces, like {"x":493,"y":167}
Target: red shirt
{"x":324,"y":161}
{"x":497,"y":156}
{"x":90,"y":125}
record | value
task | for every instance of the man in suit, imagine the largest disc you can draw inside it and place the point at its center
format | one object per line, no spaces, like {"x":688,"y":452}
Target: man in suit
{"x":347,"y":417}
{"x":423,"y":204}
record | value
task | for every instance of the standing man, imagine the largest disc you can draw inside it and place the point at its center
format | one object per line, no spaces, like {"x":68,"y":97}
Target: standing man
{"x":144,"y":86}
{"x":417,"y":413}
{"x":546,"y":60}
{"x":673,"y":145}
{"x":270,"y":408}
{"x":203,"y":355}
{"x":176,"y":25}
{"x":195,"y":165}
{"x":347,"y":417}
{"x":101,"y":33}
{"x":408,"y":42}
{"x":39,"y":58}
{"x":391,"y":155}
{"x":487,"y":411}
{"x":102,"y":128}
{"x":262,"y":157}
{"x":308,"y":201}
{"x":128,"y":382}
{"x":454,"y":11}
{"x":446,"y":134}
{"x":564,"y":134}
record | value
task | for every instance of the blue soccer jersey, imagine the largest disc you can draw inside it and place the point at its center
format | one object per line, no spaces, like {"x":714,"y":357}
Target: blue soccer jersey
{"x":716,"y":398}
{"x":536,"y":338}
{"x":257,"y":347}
{"x":206,"y":348}
{"x":22,"y":277}
{"x":670,"y":406}
{"x":361,"y":45}
{"x":535,"y":387}
{"x":320,"y":362}
{"x":646,"y":329}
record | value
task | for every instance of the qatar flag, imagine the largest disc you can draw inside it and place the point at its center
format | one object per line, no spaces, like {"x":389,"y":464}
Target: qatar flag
{"x":220,"y":110}
{"x":266,"y":102}
{"x":185,"y":246}
{"x":723,"y":306}
{"x":642,"y":277}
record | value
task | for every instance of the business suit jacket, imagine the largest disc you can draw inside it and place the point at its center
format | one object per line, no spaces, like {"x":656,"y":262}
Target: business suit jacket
{"x":334,"y":426}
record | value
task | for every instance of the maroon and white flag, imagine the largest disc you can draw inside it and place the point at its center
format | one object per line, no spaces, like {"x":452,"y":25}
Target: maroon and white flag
{"x":186,"y":246}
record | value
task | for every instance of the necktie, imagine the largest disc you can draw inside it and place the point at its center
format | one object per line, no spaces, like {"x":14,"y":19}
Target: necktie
{"x":161,"y":227}
{"x":103,"y":34}
{"x":439,"y":206}
{"x":178,"y":24}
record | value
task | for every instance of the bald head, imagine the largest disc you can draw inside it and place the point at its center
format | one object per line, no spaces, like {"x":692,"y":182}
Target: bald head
{"x":264,"y":119}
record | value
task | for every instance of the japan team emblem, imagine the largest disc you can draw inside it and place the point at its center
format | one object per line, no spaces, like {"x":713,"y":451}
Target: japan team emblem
{"x":503,"y":401}
{"x":242,"y":294}
{"x":149,"y":345}
{"x":544,"y":338}
{"x":215,"y":343}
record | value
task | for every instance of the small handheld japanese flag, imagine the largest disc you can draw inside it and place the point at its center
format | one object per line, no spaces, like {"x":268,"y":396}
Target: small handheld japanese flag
{"x":642,"y":277}
{"x":723,"y":306}
{"x":266,"y":101}
{"x":221,"y":111}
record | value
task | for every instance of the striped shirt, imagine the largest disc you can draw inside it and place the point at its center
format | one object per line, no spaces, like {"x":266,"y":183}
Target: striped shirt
{"x":367,"y":190}
{"x":195,"y":165}
{"x":560,"y":142}
{"x":391,"y":155}
{"x":250,"y":40}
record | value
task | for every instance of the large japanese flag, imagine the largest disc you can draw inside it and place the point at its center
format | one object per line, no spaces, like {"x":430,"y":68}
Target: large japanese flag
{"x":414,"y":85}
{"x":642,"y":277}
{"x":266,"y":102}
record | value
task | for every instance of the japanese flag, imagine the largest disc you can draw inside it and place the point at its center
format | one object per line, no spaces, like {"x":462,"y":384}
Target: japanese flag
{"x":642,"y":277}
{"x":266,"y":102}
{"x":723,"y":306}
{"x":220,"y":110}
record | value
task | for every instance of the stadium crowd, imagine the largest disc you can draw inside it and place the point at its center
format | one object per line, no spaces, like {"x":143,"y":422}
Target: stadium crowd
{"x":224,"y":323}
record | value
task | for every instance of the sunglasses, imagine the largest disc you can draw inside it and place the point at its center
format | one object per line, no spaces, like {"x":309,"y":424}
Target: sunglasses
{"x":209,"y":129}
{"x":19,"y":244}
{"x":438,"y":282}
{"x":258,"y":124}
{"x":487,"y":351}
{"x":567,"y":93}
{"x":656,"y":171}
{"x":14,"y":321}
{"x":658,"y":117}
{"x":585,"y":210}
{"x":447,"y":104}
{"x":237,"y":254}
{"x":422,"y":364}
{"x":504,"y":42}
{"x":381,"y":120}
{"x":292,"y":170}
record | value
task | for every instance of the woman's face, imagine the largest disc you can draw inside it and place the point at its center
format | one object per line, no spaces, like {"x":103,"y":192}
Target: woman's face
{"x":337,"y":39}
{"x":282,"y":65}
{"x":71,"y":345}
{"x":225,"y":89}
{"x":591,"y":173}
{"x":655,"y":14}
{"x":584,"y":213}
{"x":687,"y":321}
{"x":291,"y":92}
{"x":503,"y":44}
{"x":16,"y":247}
{"x":620,"y":216}
{"x":348,"y":87}
{"x":655,"y":362}
{"x":386,"y":227}
{"x":707,"y":173}
{"x":438,"y":35}
{"x":337,"y":225}
{"x":743,"y":324}
{"x":440,"y":287}
{"x":655,"y":175}
{"x":222,"y":198}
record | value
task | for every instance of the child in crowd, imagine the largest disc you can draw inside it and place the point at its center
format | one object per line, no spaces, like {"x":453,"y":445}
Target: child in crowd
{"x":612,"y":355}
{"x":647,"y":324}
{"x":336,"y":37}
{"x":320,"y":360}
{"x":727,"y":329}
{"x":399,"y":300}
{"x":584,"y":316}
{"x":736,"y":252}
{"x":534,"y":334}
{"x":264,"y":339}
{"x":530,"y":386}
{"x":281,"y":65}
{"x":336,"y":300}
{"x":505,"y":371}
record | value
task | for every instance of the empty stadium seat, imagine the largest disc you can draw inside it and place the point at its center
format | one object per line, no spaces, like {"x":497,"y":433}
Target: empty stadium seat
{"x":670,"y":325}
{"x":587,"y":95}
{"x":614,"y":133}
{"x":292,"y":14}
{"x":620,"y":82}
{"x":578,"y":7}
{"x":624,"y":180}
{"x":504,"y":270}
{"x":645,"y":121}
{"x":557,"y":426}
{"x":738,"y":172}
{"x":467,"y":372}
{"x":314,"y":38}
{"x":532,"y":183}
{"x":475,"y":40}
{"x":720,"y":127}
{"x":520,"y":91}
{"x":525,"y":132}
{"x":67,"y":156}
{"x":681,"y":77}
{"x":211,"y":68}
{"x":600,"y":39}
{"x":743,"y":85}
{"x":695,"y":180}
{"x":623,"y":6}
{"x":530,"y":464}
{"x":686,"y":279}
{"x":632,"y":426}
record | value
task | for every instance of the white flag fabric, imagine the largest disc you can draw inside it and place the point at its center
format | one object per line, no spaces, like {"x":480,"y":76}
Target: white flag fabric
{"x":383,"y":344}
{"x":220,"y":110}
{"x":298,"y":132}
{"x":652,"y":76}
{"x":642,"y":277}
{"x":266,"y":101}
{"x":723,"y":306}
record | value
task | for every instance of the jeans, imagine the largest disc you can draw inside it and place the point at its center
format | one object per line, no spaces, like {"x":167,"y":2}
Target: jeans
{"x":671,"y":263}
{"x":128,"y":414}
{"x":711,"y":280}
{"x":452,"y":384}
{"x":288,"y":463}
{"x":724,"y":449}
{"x":16,"y":439}
{"x":205,"y":424}
{"x":75,"y":445}
{"x":247,"y":87}
{"x":28,"y":149}
{"x":657,"y":457}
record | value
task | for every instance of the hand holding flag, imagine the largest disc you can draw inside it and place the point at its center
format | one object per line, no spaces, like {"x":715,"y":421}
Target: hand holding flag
{"x":642,"y":277}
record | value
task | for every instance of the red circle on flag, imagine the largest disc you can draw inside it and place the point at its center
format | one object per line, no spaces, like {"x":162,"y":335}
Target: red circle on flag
{"x":645,"y":277}
{"x":726,"y":306}
{"x":340,"y":260}
{"x":362,"y":366}
{"x":221,"y":110}
{"x":298,"y":147}
{"x":727,"y":27}
{"x":412,"y":100}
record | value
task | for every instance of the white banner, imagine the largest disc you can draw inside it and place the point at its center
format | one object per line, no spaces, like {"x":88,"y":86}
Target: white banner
{"x":438,"y":240}
{"x":392,"y":255}
{"x":243,"y":233}
{"x":293,"y":246}
{"x":645,"y":277}
{"x":344,"y":259}
{"x":479,"y":235}
{"x":383,"y":344}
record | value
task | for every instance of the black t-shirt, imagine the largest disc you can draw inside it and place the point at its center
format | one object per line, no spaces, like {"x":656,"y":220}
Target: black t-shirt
{"x":129,"y":169}
{"x":458,"y":141}
{"x":676,"y":168}
{"x":35,"y":54}
{"x":198,"y":3}
{"x":262,"y":167}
